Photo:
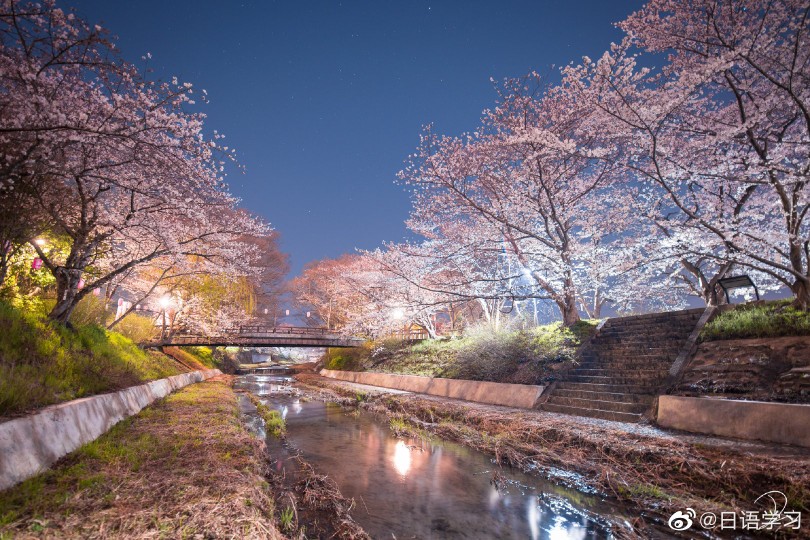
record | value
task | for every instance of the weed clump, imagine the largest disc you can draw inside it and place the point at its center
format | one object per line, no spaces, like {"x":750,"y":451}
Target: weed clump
{"x":273,"y":422}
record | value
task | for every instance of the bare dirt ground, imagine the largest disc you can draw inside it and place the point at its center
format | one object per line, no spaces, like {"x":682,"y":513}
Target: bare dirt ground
{"x":659,"y":471}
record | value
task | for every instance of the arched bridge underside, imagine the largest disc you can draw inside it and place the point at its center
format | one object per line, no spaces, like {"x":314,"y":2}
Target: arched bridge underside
{"x":260,"y":336}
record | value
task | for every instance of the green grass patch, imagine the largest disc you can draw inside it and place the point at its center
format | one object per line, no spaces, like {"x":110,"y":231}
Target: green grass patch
{"x":285,"y":519}
{"x":760,"y":320}
{"x":42,"y":363}
{"x":203,"y":355}
{"x":273,"y":422}
{"x":637,"y":491}
{"x":523,"y":356}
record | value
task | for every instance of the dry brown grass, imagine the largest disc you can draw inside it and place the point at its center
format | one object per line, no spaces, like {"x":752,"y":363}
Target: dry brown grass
{"x":182,"y":468}
{"x":320,"y":494}
{"x":658,"y":474}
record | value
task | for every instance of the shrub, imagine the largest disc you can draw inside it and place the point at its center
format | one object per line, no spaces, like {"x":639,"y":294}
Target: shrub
{"x":348,"y":359}
{"x":89,"y":310}
{"x":138,"y":328}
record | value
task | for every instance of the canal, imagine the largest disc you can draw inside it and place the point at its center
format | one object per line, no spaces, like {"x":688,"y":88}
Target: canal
{"x":414,"y":488}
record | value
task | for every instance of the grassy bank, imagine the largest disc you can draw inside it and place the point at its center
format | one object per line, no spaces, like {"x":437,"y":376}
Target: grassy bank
{"x":530,"y":356}
{"x":183,"y":468}
{"x":758,"y":320}
{"x":659,"y":474}
{"x":42,"y":363}
{"x":205,"y":357}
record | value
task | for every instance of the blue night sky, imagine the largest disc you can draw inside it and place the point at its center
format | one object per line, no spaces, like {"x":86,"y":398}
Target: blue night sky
{"x":324,"y":101}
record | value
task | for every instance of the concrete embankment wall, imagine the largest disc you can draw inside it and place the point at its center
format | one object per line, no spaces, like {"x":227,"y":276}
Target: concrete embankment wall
{"x":31,"y":444}
{"x":758,"y":420}
{"x":510,"y":395}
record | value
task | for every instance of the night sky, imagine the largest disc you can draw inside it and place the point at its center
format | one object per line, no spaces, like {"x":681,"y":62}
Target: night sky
{"x":324,"y":101}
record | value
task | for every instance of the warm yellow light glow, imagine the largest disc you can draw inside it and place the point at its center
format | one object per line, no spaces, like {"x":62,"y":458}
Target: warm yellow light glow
{"x":40,"y":241}
{"x":165,"y":301}
{"x":402,"y":458}
{"x":398,"y":314}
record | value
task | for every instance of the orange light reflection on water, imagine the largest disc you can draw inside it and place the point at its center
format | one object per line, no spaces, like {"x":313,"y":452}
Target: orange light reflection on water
{"x":402,"y":458}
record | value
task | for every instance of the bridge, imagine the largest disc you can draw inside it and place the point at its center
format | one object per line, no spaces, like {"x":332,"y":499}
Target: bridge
{"x":263,"y":336}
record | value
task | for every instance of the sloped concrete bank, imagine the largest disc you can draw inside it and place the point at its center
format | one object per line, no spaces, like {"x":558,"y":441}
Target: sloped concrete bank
{"x":754,"y":420}
{"x":510,"y":395}
{"x":31,"y":444}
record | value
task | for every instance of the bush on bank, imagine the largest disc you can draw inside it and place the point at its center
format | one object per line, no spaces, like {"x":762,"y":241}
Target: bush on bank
{"x":42,"y":363}
{"x":758,"y":320}
{"x":531,"y":356}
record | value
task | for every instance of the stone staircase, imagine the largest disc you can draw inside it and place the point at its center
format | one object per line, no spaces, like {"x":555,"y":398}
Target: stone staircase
{"x":624,"y":366}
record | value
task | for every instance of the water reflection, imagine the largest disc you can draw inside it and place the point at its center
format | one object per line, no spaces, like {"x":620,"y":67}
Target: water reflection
{"x":416,"y":489}
{"x":402,"y":458}
{"x":266,"y":385}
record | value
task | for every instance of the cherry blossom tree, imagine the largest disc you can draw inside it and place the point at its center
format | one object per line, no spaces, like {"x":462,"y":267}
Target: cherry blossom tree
{"x":122,"y":168}
{"x":534,"y":178}
{"x":325,"y":287}
{"x":721,"y":133}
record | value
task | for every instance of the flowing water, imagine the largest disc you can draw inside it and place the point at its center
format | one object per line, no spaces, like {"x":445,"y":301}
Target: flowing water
{"x":407,"y":488}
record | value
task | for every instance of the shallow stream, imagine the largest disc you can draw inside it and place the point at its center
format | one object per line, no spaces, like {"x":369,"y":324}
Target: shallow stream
{"x":410,"y":488}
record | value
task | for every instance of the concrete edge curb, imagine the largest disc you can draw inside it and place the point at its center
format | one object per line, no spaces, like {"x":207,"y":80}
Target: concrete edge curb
{"x":31,"y":444}
{"x":784,"y":423}
{"x":524,"y":396}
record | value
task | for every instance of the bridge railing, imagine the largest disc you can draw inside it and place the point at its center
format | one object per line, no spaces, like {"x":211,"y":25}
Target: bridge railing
{"x":291,"y":330}
{"x":183,"y":339}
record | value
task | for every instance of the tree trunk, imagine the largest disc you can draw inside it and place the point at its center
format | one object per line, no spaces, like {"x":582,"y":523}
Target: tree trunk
{"x":67,"y":294}
{"x":568,"y":304}
{"x":801,"y":290}
{"x":568,"y":310}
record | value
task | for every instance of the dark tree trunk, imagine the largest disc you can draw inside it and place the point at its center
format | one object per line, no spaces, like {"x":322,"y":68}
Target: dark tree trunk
{"x":801,"y":292}
{"x":67,"y":293}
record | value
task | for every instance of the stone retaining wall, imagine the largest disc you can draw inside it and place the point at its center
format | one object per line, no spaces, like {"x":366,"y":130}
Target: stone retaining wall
{"x":510,"y":395}
{"x":758,"y":420}
{"x":31,"y":444}
{"x":762,"y":369}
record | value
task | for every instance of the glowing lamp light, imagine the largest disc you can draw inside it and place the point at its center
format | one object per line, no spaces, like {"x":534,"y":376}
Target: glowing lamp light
{"x":165,"y":301}
{"x":398,"y":314}
{"x":40,"y":242}
{"x":402,"y":458}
